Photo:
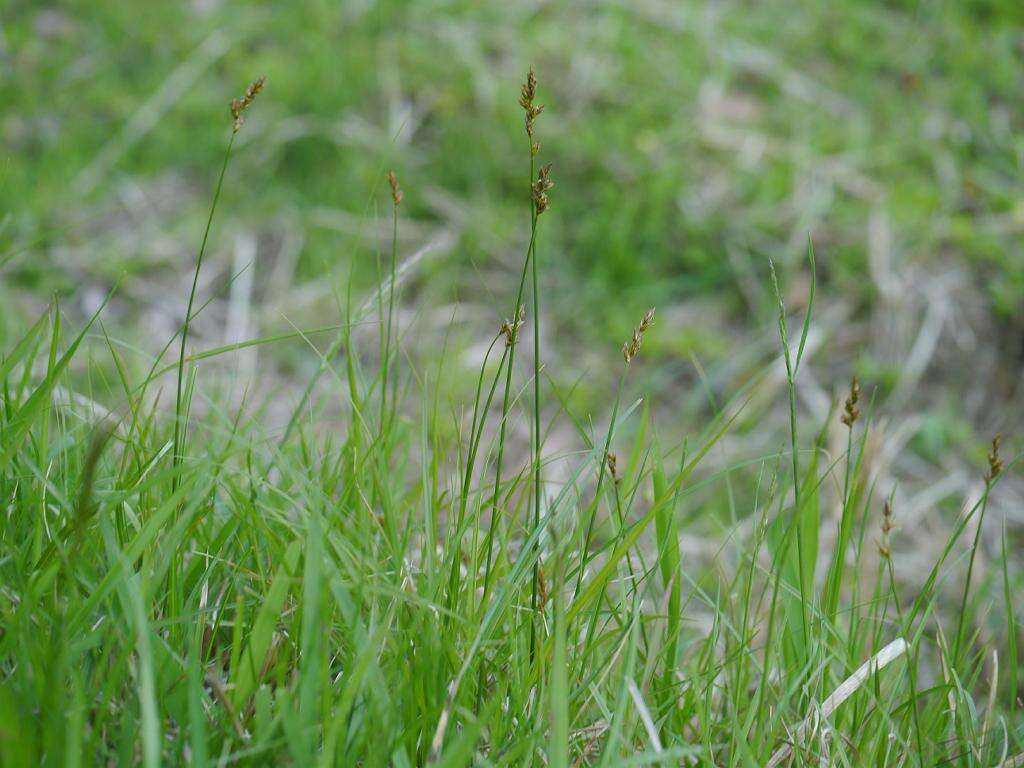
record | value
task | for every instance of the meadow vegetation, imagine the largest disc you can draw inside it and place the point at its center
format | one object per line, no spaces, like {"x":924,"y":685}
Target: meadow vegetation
{"x":420,"y":585}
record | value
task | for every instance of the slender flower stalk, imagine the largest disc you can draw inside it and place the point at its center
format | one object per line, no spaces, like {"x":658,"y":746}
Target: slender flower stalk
{"x":510,"y":330}
{"x":833,"y":582}
{"x":629,"y":351}
{"x":609,"y":461}
{"x":396,"y":200}
{"x":540,"y":202}
{"x":995,"y":467}
{"x":238,"y":108}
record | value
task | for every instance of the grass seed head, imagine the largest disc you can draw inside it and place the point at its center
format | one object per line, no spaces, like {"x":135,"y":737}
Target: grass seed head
{"x":632,"y":347}
{"x":541,"y":187}
{"x":510,"y":328}
{"x":613,"y":465}
{"x":396,"y":191}
{"x":887,"y":527}
{"x":526,"y":101}
{"x":238,"y":106}
{"x":995,"y":464}
{"x":850,"y":411}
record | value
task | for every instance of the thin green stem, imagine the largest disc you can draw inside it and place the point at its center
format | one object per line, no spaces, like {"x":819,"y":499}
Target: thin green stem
{"x":179,"y":426}
{"x":961,"y":623}
{"x":475,"y":431}
{"x":602,"y":460}
{"x":536,"y":422}
{"x":386,"y":358}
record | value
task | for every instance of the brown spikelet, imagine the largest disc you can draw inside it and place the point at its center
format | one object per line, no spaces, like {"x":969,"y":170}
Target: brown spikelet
{"x":238,"y":106}
{"x":632,"y":347}
{"x":540,"y":189}
{"x":613,"y":465}
{"x":510,"y":328}
{"x":995,"y":464}
{"x":396,"y":191}
{"x":526,"y":101}
{"x":887,"y":527}
{"x":850,"y":411}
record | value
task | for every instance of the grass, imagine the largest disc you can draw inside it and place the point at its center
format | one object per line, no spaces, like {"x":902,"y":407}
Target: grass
{"x":412,"y":589}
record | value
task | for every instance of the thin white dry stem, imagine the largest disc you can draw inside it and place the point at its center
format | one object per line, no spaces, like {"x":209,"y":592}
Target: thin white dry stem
{"x":442,"y":724}
{"x":645,"y":715}
{"x":846,"y":689}
{"x":986,"y":727}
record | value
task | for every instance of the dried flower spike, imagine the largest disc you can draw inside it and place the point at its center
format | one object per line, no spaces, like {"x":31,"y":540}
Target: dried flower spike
{"x":238,"y":106}
{"x":613,"y":465}
{"x":632,"y":347}
{"x":540,"y":189}
{"x":850,"y":411}
{"x":396,"y":191}
{"x":526,"y":101}
{"x":887,"y":526}
{"x":995,"y":464}
{"x":510,"y":328}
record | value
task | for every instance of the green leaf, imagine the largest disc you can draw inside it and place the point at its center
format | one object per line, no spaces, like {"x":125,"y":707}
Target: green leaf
{"x":245,"y":676}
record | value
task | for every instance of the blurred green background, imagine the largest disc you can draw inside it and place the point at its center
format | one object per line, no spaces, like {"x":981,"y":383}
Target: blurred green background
{"x":691,"y":142}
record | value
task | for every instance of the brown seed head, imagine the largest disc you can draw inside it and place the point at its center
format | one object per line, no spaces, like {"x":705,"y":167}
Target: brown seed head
{"x":995,"y":464}
{"x":632,"y":347}
{"x":510,"y":328}
{"x":526,"y":101}
{"x":850,"y":411}
{"x":396,"y":192}
{"x":613,"y":465}
{"x":238,"y":106}
{"x":887,"y":527}
{"x":540,"y":189}
{"x":529,"y":91}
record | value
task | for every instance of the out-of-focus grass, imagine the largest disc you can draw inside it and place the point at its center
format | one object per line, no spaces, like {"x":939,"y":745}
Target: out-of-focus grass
{"x":686,"y":131}
{"x":691,"y":142}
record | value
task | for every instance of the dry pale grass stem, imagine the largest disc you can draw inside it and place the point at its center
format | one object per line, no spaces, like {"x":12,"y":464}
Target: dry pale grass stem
{"x":846,"y":689}
{"x":632,"y":347}
{"x":396,"y":191}
{"x":238,"y":106}
{"x":995,"y":464}
{"x":510,"y":328}
{"x":850,"y":411}
{"x":526,"y":101}
{"x":888,"y":526}
{"x":541,"y":187}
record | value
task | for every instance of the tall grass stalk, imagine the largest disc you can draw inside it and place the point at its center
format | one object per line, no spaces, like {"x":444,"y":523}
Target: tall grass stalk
{"x":180,"y":414}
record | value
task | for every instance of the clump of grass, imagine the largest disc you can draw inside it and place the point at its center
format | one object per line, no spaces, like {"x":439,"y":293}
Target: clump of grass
{"x":364,"y":598}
